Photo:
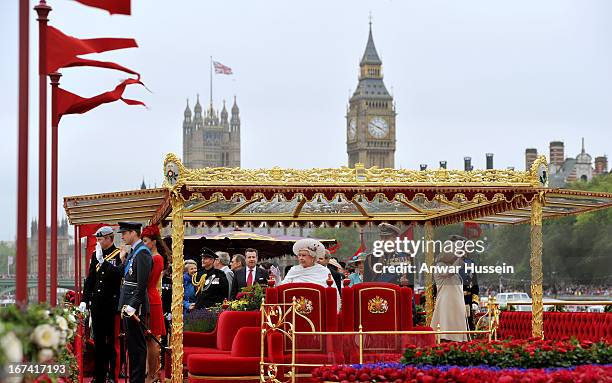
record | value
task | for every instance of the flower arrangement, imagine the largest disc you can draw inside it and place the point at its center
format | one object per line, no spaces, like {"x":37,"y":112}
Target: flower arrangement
{"x":248,"y":299}
{"x":526,"y":353}
{"x":39,"y":334}
{"x":398,"y":373}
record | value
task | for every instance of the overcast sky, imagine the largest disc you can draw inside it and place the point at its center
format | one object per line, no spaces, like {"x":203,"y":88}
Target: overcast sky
{"x":469,"y":77}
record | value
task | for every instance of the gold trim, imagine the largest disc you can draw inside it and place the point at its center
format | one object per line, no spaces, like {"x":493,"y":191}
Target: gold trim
{"x":395,"y":311}
{"x":320,"y":318}
{"x":176,"y":339}
{"x":537,"y":321}
{"x":212,"y":377}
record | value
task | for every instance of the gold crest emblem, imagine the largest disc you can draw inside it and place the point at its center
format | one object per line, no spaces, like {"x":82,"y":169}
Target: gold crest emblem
{"x":303,"y":306}
{"x":378,"y":305}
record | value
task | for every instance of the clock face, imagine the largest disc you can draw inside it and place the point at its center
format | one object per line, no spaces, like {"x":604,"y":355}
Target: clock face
{"x":352,"y":129}
{"x":378,"y":127}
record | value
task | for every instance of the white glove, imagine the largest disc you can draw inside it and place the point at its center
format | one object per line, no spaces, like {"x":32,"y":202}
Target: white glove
{"x":129,"y":310}
{"x":475,"y":307}
{"x":99,"y":254}
{"x":169,"y":316}
{"x":83,"y":307}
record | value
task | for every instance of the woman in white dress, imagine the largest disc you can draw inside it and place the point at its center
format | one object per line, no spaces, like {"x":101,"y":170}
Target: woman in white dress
{"x":449,"y":311}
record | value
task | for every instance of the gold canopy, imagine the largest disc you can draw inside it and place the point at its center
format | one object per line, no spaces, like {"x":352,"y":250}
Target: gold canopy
{"x":242,"y":197}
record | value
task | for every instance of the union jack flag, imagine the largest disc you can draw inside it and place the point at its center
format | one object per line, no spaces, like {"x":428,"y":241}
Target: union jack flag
{"x":222,"y":69}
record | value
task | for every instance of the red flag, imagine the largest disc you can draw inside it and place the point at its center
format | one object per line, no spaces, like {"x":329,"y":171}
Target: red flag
{"x":333,"y":249}
{"x":361,"y":249}
{"x":119,"y":7}
{"x":62,"y":50}
{"x":471,"y":230}
{"x":70,"y":103}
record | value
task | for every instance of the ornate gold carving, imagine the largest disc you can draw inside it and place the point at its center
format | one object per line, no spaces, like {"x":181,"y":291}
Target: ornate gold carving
{"x":537,"y":322}
{"x":344,"y":176}
{"x":178,"y":235}
{"x":536,"y":170}
{"x":429,"y":260}
{"x":303,"y":306}
{"x":378,"y":305}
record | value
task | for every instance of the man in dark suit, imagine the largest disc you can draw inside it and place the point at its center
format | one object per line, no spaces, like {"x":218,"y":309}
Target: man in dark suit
{"x":134,"y":299}
{"x":336,"y":275}
{"x":251,"y":274}
{"x":210,"y":283}
{"x":101,"y":295}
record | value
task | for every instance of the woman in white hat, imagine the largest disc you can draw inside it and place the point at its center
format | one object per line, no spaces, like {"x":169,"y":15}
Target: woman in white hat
{"x":308,"y":250}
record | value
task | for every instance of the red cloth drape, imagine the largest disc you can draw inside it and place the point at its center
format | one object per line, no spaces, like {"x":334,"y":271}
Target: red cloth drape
{"x":120,"y":7}
{"x":62,"y":51}
{"x":70,"y":103}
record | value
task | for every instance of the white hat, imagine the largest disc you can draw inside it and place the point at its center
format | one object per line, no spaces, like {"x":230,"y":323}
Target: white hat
{"x":103,"y":231}
{"x":314,"y":247}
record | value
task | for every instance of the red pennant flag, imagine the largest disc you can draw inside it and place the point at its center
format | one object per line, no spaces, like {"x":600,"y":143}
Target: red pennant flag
{"x":62,"y":51}
{"x":333,"y":249}
{"x":70,"y":103}
{"x":119,"y":7}
{"x":361,"y":249}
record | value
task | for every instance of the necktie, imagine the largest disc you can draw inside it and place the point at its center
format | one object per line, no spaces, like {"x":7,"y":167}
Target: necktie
{"x":250,"y":278}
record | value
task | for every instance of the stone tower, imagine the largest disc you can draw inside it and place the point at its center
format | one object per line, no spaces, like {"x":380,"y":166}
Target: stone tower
{"x":370,"y":119}
{"x":213,"y":139}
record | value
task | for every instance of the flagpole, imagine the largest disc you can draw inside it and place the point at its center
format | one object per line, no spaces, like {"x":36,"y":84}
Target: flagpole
{"x":42,"y":9}
{"x":21,"y":266}
{"x":55,"y":77}
{"x":211,"y":81}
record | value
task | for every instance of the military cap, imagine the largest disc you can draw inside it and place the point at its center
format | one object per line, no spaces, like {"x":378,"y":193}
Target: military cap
{"x":104,"y":231}
{"x":456,"y":238}
{"x":129,"y":226}
{"x":387,"y":229}
{"x":205,"y":252}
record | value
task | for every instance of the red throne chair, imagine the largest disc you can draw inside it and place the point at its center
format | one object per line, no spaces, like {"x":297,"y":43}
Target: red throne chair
{"x":319,"y":305}
{"x":206,"y":355}
{"x":379,"y":306}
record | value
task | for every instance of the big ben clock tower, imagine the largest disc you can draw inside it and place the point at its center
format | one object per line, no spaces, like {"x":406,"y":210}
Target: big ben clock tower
{"x":370,"y":120}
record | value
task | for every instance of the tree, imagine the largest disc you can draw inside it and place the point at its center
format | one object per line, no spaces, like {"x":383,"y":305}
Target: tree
{"x":347,"y":237}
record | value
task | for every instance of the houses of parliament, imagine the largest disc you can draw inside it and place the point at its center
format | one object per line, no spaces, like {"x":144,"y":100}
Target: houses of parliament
{"x":212,"y":139}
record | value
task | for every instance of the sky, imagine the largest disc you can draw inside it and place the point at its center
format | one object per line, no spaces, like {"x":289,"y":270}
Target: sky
{"x":468,"y":77}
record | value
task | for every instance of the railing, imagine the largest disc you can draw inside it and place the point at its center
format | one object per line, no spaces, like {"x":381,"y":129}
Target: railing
{"x":274,"y":318}
{"x":563,"y":303}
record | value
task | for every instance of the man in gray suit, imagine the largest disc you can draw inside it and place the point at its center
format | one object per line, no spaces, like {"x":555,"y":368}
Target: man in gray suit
{"x":222,"y":263}
{"x":133,"y":299}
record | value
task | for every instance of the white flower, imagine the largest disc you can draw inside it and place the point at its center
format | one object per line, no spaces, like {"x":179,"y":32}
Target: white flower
{"x":45,"y":354}
{"x":46,"y":313}
{"x":61,"y":322}
{"x":12,"y":348}
{"x":71,"y":318}
{"x":70,"y":334}
{"x":45,"y":336}
{"x":62,"y":338}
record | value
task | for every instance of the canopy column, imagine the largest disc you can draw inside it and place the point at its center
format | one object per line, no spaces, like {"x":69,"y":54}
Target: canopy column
{"x":178,"y":234}
{"x":537,"y":320}
{"x":429,"y":260}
